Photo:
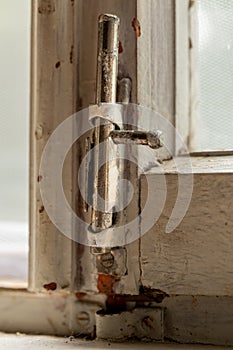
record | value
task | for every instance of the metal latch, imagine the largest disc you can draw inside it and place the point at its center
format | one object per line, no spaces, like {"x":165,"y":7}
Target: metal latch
{"x":106,"y":91}
{"x":144,"y":323}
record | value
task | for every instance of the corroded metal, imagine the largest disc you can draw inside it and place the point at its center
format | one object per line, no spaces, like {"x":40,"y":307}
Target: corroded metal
{"x":113,"y":262}
{"x":107,"y":60}
{"x":107,"y":65}
{"x":145,"y":323}
{"x":147,"y":138}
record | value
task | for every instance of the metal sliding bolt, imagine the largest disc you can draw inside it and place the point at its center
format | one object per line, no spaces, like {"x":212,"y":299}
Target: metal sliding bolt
{"x":107,"y":66}
{"x":150,"y":138}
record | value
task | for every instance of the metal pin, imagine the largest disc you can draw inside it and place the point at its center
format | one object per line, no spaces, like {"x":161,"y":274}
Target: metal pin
{"x":150,"y":138}
{"x":107,"y":60}
{"x":107,"y":65}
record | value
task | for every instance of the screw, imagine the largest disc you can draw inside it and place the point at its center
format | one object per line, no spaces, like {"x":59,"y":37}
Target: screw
{"x":147,"y":323}
{"x":83,"y":318}
{"x":106,"y":260}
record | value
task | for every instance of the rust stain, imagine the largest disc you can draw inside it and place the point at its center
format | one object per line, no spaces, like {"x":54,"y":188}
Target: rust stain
{"x":39,"y":178}
{"x":46,"y":7}
{"x":116,"y":304}
{"x":72,"y":2}
{"x":57,"y":65}
{"x":137,"y":27}
{"x":80,"y":295}
{"x":71,"y":54}
{"x":41,"y":210}
{"x":120,"y":47}
{"x":50,"y":286}
{"x":106,"y":283}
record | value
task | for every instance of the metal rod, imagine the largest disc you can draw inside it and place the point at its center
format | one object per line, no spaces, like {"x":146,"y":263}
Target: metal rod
{"x":147,"y":138}
{"x":107,"y":65}
{"x":107,"y":60}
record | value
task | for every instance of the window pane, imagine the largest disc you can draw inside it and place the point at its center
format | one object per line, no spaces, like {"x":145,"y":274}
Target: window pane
{"x":14,"y":137}
{"x":215,"y":67}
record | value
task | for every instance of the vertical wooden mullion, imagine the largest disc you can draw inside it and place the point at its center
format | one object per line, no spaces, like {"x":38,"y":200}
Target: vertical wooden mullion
{"x":53,"y":99}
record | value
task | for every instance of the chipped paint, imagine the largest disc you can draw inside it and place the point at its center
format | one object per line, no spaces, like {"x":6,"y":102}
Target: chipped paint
{"x":39,"y":178}
{"x":120,"y":47}
{"x":39,"y":132}
{"x":46,"y":7}
{"x":137,"y":27}
{"x":58,"y":64}
{"x":72,"y":54}
{"x":50,"y":286}
{"x":41,"y":210}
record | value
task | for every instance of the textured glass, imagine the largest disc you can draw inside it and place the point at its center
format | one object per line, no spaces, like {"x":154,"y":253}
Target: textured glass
{"x":14,"y":137}
{"x":215,"y":67}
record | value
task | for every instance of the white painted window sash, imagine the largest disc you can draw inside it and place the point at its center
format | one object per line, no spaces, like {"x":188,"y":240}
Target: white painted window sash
{"x":63,"y":81}
{"x":59,"y":87}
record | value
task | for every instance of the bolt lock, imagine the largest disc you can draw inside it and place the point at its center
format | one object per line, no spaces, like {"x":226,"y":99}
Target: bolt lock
{"x":106,"y":90}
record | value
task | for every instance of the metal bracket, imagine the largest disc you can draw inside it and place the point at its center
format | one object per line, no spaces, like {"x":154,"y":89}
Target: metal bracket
{"x":140,"y":323}
{"x":111,"y":262}
{"x":108,"y":260}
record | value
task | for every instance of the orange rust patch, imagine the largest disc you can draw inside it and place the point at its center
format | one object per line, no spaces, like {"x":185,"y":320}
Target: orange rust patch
{"x":105,"y":283}
{"x":120,"y":47}
{"x":50,"y":286}
{"x":80,"y":295}
{"x":137,"y":27}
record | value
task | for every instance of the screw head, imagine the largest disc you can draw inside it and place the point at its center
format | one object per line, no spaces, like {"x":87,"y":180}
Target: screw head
{"x":147,"y":323}
{"x":83,"y":318}
{"x":106,"y":260}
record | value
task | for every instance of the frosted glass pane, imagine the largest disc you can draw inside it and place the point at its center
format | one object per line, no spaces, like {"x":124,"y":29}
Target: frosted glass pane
{"x":215,"y":67}
{"x":14,"y":137}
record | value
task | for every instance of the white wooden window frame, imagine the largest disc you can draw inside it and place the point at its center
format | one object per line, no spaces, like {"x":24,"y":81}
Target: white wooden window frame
{"x":63,"y":81}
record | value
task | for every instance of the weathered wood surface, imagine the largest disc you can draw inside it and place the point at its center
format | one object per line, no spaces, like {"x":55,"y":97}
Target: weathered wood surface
{"x":196,"y":258}
{"x":53,"y":99}
{"x":156,"y":57}
{"x":183,"y":49}
{"x":58,"y":313}
{"x":200,"y":320}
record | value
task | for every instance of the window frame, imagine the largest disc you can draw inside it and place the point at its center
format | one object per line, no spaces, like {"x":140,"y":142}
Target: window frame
{"x":53,"y":68}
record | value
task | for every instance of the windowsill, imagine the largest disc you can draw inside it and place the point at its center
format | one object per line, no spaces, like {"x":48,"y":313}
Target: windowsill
{"x":200,"y":165}
{"x":22,"y":341}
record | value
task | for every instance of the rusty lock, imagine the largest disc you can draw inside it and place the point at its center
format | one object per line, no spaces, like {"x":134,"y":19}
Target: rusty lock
{"x":106,"y":90}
